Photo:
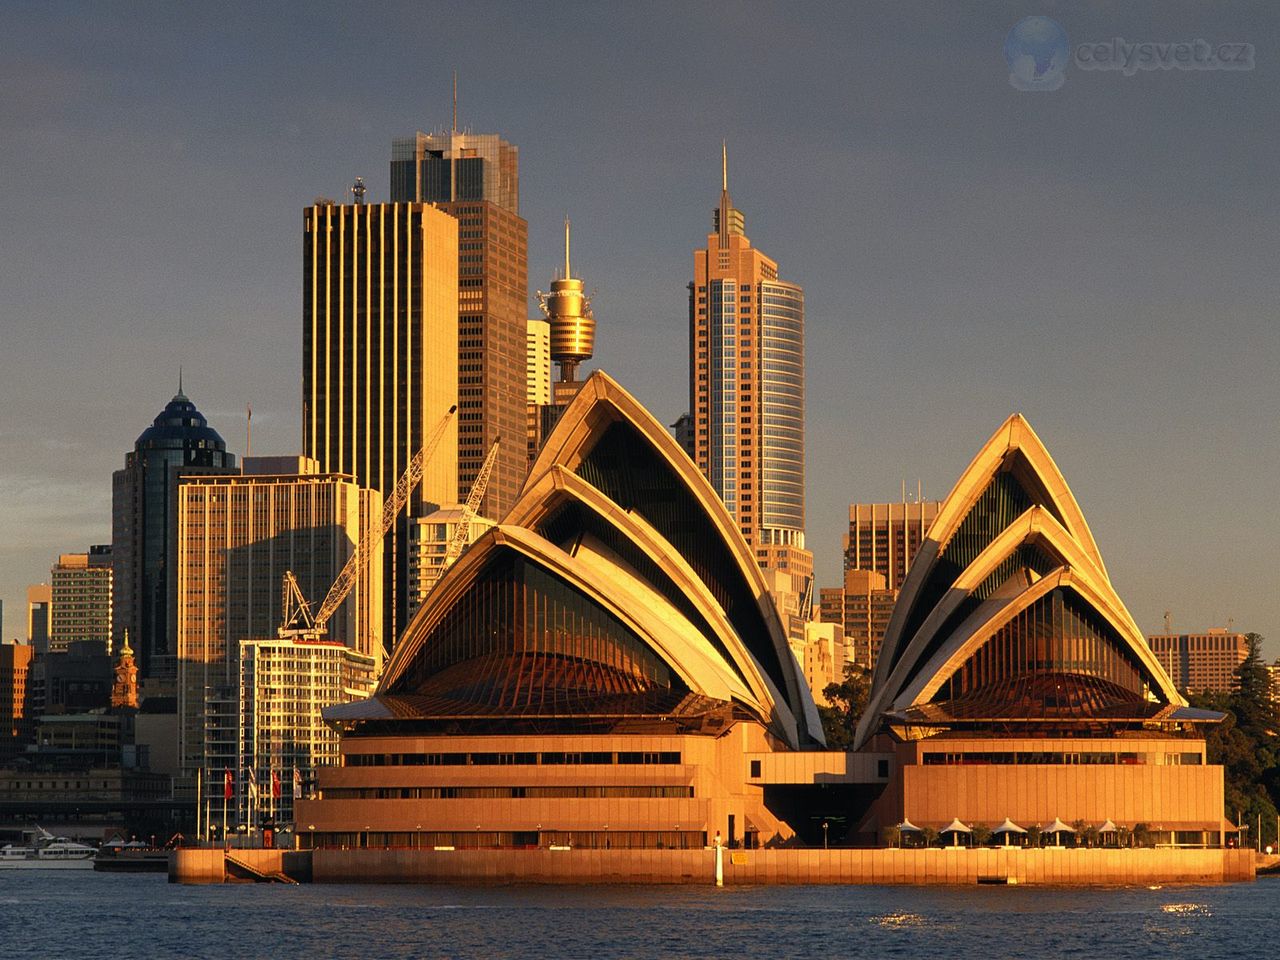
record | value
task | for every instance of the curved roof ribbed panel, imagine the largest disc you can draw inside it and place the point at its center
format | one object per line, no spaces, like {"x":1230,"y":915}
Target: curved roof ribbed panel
{"x":655,"y":562}
{"x":1011,"y":508}
{"x":988,"y":619}
{"x":613,"y":444}
{"x":668,"y":634}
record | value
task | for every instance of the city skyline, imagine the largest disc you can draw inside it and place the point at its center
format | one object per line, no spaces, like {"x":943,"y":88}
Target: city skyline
{"x":944,"y":259}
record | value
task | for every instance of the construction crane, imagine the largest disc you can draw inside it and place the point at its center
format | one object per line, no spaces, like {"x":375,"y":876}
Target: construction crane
{"x":469,"y":509}
{"x":298,"y":621}
{"x":806,"y":600}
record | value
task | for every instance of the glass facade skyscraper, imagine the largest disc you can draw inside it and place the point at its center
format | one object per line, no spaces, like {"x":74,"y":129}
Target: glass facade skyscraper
{"x":746,"y":387}
{"x":179,"y":442}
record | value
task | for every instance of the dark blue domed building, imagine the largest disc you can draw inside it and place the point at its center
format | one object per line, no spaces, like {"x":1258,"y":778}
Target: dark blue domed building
{"x":144,"y":528}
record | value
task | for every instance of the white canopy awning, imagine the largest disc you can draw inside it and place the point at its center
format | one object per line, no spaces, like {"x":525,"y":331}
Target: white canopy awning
{"x":955,"y":826}
{"x":908,"y":826}
{"x":1059,"y":827}
{"x":1108,"y":827}
{"x":1008,"y":827}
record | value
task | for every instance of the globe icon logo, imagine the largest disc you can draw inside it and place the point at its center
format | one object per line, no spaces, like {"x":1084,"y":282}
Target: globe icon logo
{"x":1037,"y":52}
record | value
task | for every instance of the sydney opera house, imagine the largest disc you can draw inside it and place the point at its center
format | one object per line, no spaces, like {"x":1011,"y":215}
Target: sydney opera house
{"x":605,"y":668}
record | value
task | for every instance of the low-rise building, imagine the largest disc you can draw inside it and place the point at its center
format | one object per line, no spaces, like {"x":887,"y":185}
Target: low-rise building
{"x":1201,"y":662}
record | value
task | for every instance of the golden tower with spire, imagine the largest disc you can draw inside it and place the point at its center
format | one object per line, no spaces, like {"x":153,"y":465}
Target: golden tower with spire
{"x":124,"y":691}
{"x":573,"y":326}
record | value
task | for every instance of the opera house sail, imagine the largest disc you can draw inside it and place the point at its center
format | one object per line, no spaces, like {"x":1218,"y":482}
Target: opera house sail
{"x":1014,"y":683}
{"x":607,"y":653}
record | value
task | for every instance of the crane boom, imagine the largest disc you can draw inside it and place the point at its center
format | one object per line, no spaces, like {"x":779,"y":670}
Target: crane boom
{"x":469,"y":509}
{"x":373,"y":536}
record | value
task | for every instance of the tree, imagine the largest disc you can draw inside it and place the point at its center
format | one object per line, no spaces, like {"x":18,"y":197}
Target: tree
{"x":1033,"y":835}
{"x":929,"y":836}
{"x":981,"y":834}
{"x":1142,"y":836}
{"x":847,"y":699}
{"x":892,"y":837}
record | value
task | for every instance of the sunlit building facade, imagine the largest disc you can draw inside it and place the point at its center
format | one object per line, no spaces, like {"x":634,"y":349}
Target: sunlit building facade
{"x":1201,"y":662}
{"x":80,"y":591}
{"x":475,"y":178}
{"x":379,"y":369}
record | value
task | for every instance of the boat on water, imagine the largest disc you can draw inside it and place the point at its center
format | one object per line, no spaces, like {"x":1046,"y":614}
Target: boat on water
{"x":47,"y":852}
{"x":118,"y":856}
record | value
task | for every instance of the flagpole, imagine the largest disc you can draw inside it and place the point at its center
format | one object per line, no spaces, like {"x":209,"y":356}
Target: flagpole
{"x":199,"y":834}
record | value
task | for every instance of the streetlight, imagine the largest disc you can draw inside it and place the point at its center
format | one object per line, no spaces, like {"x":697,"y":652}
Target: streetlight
{"x":825,"y":827}
{"x":417,"y":836}
{"x":312,"y":827}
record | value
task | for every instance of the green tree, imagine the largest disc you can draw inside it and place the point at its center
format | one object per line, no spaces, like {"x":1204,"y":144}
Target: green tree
{"x":847,"y":699}
{"x":981,"y":834}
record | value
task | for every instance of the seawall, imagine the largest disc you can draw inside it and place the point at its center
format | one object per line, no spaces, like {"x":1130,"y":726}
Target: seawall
{"x":1052,"y":866}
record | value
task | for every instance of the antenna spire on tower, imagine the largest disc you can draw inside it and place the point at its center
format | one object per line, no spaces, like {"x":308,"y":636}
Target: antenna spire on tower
{"x":180,"y":393}
{"x":724,"y":165}
{"x":455,"y":101}
{"x":567,"y":274}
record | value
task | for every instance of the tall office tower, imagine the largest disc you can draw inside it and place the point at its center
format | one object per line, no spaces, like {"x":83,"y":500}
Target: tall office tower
{"x":80,"y":585}
{"x":179,"y":442}
{"x":379,"y":359}
{"x":39,"y":599}
{"x":476,"y":178}
{"x":884,"y":537}
{"x":237,"y":536}
{"x":1201,"y":662}
{"x":746,"y":397}
{"x":16,"y":717}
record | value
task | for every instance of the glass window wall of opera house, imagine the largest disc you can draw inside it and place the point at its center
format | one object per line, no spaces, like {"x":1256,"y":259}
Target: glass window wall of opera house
{"x":606,"y":668}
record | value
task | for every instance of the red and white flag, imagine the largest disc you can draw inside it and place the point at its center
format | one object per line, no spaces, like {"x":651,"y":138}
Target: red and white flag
{"x":228,"y":785}
{"x":297,"y":782}
{"x":253,"y":785}
{"x":275,"y":784}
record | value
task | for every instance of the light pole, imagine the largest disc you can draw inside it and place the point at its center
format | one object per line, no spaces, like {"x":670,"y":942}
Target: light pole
{"x":825,"y":827}
{"x":312,"y":828}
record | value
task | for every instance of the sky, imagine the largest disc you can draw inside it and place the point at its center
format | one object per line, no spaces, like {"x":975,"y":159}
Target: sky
{"x":1100,"y":257}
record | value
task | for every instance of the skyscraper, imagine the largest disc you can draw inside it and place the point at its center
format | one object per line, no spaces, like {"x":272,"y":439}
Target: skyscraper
{"x":39,"y":599}
{"x":746,"y":392}
{"x":379,"y":358}
{"x":80,"y":585}
{"x":143,"y":529}
{"x":476,"y":179}
{"x":237,"y":536}
{"x":884,"y":537}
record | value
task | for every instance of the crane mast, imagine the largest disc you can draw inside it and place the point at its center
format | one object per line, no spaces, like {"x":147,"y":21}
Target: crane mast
{"x":469,"y":509}
{"x":297,"y":610}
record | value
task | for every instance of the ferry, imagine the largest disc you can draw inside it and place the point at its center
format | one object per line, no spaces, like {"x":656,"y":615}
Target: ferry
{"x":47,"y":852}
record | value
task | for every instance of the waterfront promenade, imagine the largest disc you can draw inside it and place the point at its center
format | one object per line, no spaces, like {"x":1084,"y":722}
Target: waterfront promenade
{"x":955,"y":865}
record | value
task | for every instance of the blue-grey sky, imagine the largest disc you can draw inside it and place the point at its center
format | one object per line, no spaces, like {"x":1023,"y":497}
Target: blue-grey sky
{"x":1100,"y":257}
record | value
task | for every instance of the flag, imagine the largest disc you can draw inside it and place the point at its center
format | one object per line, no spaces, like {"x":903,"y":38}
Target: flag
{"x":253,"y":786}
{"x":297,"y":782}
{"x":228,"y":785}
{"x":275,"y":784}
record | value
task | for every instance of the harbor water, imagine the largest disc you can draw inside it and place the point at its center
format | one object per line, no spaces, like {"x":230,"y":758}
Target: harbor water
{"x":72,"y":914}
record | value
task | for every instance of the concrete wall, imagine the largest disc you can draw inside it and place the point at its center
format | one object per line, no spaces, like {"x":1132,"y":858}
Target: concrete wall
{"x":189,"y":865}
{"x":883,"y":866}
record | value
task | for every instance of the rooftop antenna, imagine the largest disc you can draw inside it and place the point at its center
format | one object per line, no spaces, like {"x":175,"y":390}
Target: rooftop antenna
{"x":248,"y":431}
{"x":455,"y":101}
{"x":919,"y":491}
{"x":904,"y":489}
{"x":724,"y":165}
{"x":567,"y":274}
{"x":358,"y":190}
{"x":180,"y":393}
{"x":1168,"y":622}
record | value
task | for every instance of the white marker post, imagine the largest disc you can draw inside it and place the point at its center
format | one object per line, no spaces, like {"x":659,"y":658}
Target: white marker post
{"x":719,"y":861}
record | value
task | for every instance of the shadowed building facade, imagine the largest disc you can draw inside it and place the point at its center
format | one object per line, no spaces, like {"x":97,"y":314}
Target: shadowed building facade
{"x":1013,"y":683}
{"x":144,"y":530}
